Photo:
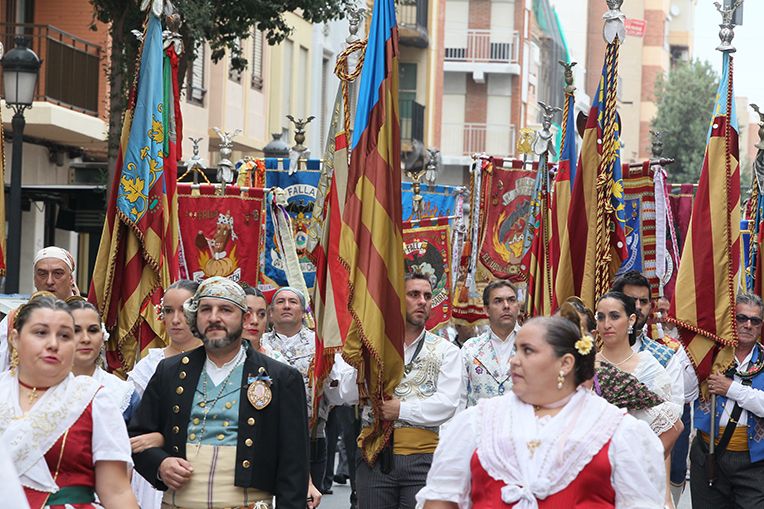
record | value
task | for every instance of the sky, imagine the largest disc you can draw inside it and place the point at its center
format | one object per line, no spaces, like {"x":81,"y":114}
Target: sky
{"x":749,"y":41}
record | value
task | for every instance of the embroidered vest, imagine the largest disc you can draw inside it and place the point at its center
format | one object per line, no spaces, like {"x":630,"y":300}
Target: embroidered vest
{"x":419,"y":383}
{"x":662,"y":353}
{"x":485,"y":378}
{"x":755,"y":423}
{"x":221,"y":427}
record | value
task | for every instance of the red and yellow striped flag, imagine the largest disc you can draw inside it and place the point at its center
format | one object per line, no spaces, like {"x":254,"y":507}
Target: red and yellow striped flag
{"x":704,"y":300}
{"x":592,"y":245}
{"x":371,"y":243}
{"x":137,"y":256}
{"x":330,"y":293}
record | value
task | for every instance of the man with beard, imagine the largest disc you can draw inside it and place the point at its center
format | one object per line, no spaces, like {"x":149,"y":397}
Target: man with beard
{"x":739,"y":421}
{"x":486,"y":357}
{"x":426,"y":397}
{"x":233,"y":420}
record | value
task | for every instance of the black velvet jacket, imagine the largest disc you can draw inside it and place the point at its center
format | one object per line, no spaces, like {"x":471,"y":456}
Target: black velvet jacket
{"x":272,"y":447}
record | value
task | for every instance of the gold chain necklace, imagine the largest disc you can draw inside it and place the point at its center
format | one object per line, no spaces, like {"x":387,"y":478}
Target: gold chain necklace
{"x":208,"y":408}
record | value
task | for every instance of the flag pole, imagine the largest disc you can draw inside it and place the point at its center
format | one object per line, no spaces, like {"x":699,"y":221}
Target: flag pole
{"x":726,"y":33}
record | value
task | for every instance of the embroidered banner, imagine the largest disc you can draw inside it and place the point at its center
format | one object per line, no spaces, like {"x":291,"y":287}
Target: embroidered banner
{"x":437,"y":201}
{"x":427,"y":250}
{"x":505,"y":205}
{"x":639,"y":200}
{"x":301,"y":188}
{"x":221,"y":235}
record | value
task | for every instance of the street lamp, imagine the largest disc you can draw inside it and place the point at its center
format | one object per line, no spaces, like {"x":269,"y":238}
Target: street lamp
{"x":21,"y":67}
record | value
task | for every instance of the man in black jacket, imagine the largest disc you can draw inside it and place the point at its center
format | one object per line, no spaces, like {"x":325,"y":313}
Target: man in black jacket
{"x":233,"y":420}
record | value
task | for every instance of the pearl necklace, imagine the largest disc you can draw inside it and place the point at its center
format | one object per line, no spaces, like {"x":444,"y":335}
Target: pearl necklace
{"x":616,"y":364}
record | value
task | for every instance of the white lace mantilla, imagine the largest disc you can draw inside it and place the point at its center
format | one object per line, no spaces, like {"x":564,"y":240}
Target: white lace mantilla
{"x":534,"y":459}
{"x":120,"y":391}
{"x":660,"y":418}
{"x":28,"y":437}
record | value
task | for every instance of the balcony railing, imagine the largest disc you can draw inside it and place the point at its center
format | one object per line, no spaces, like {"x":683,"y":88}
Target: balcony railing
{"x":412,"y":23}
{"x":482,"y":46}
{"x":412,"y":120}
{"x":467,"y":139}
{"x":70,"y":69}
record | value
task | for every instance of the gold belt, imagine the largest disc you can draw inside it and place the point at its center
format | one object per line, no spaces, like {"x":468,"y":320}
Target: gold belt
{"x":738,"y":440}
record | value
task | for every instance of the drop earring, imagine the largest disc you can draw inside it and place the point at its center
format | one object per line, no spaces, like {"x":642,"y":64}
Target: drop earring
{"x":560,"y":380}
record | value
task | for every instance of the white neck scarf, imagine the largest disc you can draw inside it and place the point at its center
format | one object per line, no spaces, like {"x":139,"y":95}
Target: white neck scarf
{"x":563,"y":447}
{"x":27,"y":438}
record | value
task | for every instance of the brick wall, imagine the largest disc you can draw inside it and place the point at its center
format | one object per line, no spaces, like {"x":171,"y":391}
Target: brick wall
{"x":480,"y":14}
{"x":655,"y":31}
{"x":476,"y":102}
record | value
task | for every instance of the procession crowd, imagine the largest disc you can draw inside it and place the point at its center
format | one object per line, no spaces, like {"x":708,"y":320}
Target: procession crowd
{"x":590,"y":408}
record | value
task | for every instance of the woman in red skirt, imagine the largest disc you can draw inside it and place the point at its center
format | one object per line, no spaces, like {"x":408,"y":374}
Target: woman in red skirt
{"x":551,"y":443}
{"x":66,"y":438}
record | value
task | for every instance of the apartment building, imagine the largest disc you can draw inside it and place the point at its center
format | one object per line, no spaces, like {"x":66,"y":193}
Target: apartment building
{"x":658,"y":35}
{"x":500,"y":59}
{"x":63,"y":197}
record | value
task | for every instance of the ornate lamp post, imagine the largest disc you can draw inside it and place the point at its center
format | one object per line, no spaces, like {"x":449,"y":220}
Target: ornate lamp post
{"x":21,"y":67}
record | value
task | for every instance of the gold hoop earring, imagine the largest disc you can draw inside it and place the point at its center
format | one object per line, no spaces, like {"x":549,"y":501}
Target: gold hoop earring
{"x":560,"y":380}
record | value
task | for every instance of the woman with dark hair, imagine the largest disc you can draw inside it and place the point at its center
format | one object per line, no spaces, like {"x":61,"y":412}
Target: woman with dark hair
{"x":550,"y":442}
{"x":89,"y":356}
{"x":652,"y":396}
{"x":616,"y":316}
{"x":176,"y":329}
{"x":258,"y":321}
{"x":181,"y":341}
{"x":64,"y":433}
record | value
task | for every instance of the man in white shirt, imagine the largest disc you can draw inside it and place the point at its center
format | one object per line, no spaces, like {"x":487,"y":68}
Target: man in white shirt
{"x":297,"y":344}
{"x":54,"y":273}
{"x":426,"y":397}
{"x":485,"y":357}
{"x":739,"y":418}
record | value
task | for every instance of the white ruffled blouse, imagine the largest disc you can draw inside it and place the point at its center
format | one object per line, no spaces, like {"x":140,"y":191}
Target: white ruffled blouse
{"x":500,"y":428}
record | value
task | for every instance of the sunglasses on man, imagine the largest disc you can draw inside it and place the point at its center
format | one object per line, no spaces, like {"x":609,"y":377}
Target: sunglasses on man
{"x":742,"y":319}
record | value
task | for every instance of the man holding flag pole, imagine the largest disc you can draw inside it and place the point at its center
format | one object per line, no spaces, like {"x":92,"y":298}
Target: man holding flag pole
{"x":720,"y":329}
{"x":403,"y":405}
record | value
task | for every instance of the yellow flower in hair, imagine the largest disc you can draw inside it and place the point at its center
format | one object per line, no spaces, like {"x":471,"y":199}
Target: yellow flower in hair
{"x":584,"y":345}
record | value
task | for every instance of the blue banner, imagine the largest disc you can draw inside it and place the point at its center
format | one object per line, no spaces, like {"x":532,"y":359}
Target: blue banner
{"x":437,"y":201}
{"x":301,"y":189}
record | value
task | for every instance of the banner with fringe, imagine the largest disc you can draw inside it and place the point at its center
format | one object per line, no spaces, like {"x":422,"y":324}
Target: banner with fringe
{"x":301,"y":187}
{"x":427,"y":250}
{"x":221,"y":234}
{"x":505,"y":204}
{"x":639,"y":202}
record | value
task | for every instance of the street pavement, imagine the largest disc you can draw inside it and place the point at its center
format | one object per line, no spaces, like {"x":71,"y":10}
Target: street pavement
{"x":340,"y":499}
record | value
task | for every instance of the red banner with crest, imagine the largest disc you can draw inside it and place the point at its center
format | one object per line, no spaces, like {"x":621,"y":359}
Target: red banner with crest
{"x":505,"y":203}
{"x":427,"y":250}
{"x":221,"y":234}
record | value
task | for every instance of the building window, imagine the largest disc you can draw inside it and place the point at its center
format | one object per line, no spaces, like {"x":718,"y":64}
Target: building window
{"x":196,"y":90}
{"x":233,"y":74}
{"x":257,"y":60}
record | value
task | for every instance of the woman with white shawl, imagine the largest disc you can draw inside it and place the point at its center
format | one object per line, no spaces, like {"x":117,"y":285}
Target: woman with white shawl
{"x":549,"y":443}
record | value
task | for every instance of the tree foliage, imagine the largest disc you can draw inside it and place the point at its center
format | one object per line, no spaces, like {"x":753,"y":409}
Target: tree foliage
{"x":685,"y":101}
{"x":222,"y":23}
